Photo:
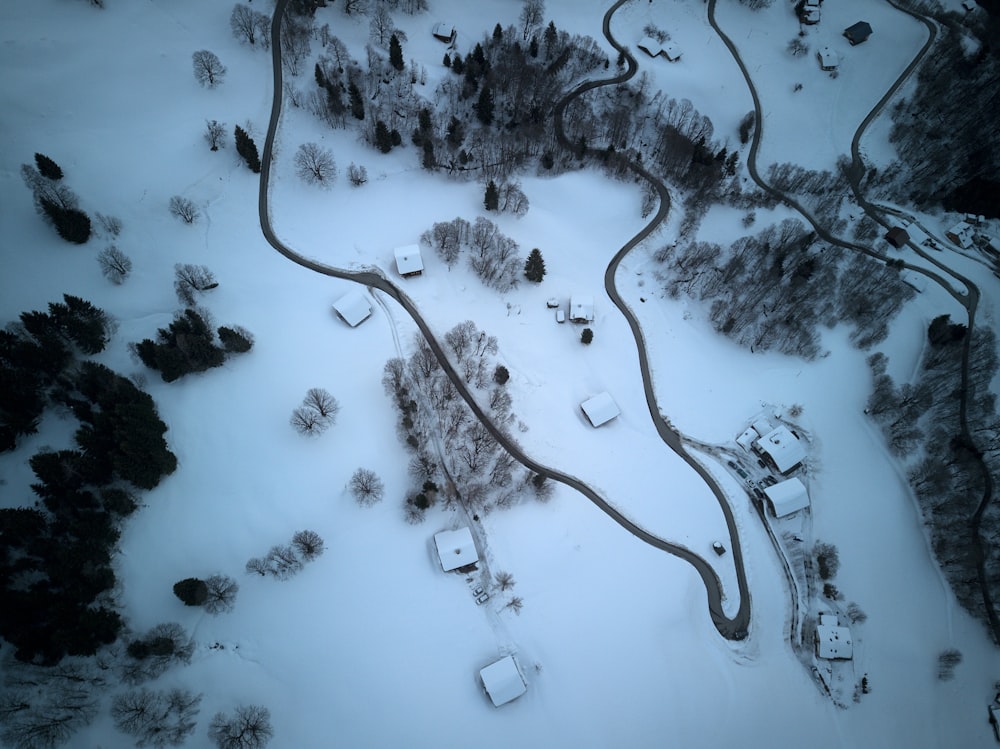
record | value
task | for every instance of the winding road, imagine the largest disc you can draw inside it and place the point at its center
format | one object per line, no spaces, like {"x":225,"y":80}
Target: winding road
{"x":733,"y":628}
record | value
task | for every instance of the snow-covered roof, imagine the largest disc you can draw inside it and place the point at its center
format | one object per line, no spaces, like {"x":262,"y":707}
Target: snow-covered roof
{"x":747,"y":439}
{"x":671,"y":51}
{"x":650,"y":46}
{"x":787,"y":497}
{"x":354,"y":307}
{"x":600,"y":409}
{"x":502,"y":681}
{"x":443,"y":31}
{"x":762,"y":427}
{"x":830,"y":620}
{"x":828,"y":59}
{"x":581,"y":307}
{"x":455,"y":548}
{"x":783,"y":448}
{"x":834,"y":643}
{"x":960,"y":234}
{"x":408,"y":259}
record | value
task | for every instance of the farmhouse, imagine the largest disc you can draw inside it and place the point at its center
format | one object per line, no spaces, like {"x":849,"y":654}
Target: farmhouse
{"x":960,"y":234}
{"x":654,"y":48}
{"x":833,"y":642}
{"x":600,"y":409}
{"x":502,"y":681}
{"x":897,"y":236}
{"x":581,"y":308}
{"x":810,"y":12}
{"x":408,"y":260}
{"x":858,"y":33}
{"x":443,"y":32}
{"x":828,"y":59}
{"x":353,"y":308}
{"x":456,"y":549}
{"x":782,"y":449}
{"x":787,"y":497}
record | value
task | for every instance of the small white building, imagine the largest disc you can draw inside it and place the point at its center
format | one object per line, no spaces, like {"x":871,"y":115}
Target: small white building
{"x":960,"y":234}
{"x":833,"y":642}
{"x":600,"y":409}
{"x":671,"y":51}
{"x":828,"y":59}
{"x":443,"y":32}
{"x":787,"y":497}
{"x":581,"y":308}
{"x":353,"y":308}
{"x":456,"y":548}
{"x":811,"y":12}
{"x":409,"y":261}
{"x":747,"y":439}
{"x":502,"y":681}
{"x":650,"y":46}
{"x":783,"y":449}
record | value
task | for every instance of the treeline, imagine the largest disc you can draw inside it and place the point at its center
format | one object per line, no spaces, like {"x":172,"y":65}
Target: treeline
{"x":55,"y":557}
{"x":492,"y":255}
{"x":921,"y":422}
{"x":189,"y":345}
{"x":776,"y":289}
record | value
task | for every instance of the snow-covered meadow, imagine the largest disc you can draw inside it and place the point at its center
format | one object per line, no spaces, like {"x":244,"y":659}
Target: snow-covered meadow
{"x":372,"y":645}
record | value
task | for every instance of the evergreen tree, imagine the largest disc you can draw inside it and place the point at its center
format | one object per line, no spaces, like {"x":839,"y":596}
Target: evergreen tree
{"x":47,"y":167}
{"x":357,"y":103}
{"x":447,"y":60}
{"x":492,"y":198}
{"x":72,"y":224}
{"x":458,"y":65}
{"x":497,"y":33}
{"x":192,"y":591}
{"x":246,"y":148}
{"x":383,"y":138}
{"x":396,"y":53}
{"x":484,"y":107}
{"x":587,"y":336}
{"x":534,"y":266}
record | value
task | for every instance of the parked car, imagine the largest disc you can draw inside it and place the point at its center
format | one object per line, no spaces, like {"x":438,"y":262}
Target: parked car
{"x":741,"y":472}
{"x":552,"y":303}
{"x":560,"y":316}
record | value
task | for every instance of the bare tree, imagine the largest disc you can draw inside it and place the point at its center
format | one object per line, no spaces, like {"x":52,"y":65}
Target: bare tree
{"x":282,"y":562}
{"x":250,"y":27}
{"x":380,"y":27}
{"x":515,"y":604}
{"x":532,"y":16}
{"x":115,"y":264}
{"x":112,"y":225}
{"x":215,"y":134}
{"x":797,"y":47}
{"x":222,"y":591}
{"x":367,"y":487}
{"x":315,"y":165}
{"x":153,"y":653}
{"x":947,"y":661}
{"x":190,"y":280}
{"x":505,"y":580}
{"x":156,"y":718}
{"x":184,"y":209}
{"x":208,"y":70}
{"x":512,"y":199}
{"x":354,"y":7}
{"x":322,"y":403}
{"x":358,"y":175}
{"x":309,"y":545}
{"x":248,"y":728}
{"x":308,"y":421}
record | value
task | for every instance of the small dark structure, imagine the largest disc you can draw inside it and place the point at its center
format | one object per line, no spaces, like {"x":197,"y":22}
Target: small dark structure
{"x":858,"y":33}
{"x":897,"y":237}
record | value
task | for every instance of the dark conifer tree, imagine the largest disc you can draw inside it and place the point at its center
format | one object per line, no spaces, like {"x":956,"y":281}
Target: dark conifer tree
{"x":484,"y":107}
{"x":492,"y":197}
{"x":534,"y":266}
{"x":357,"y":103}
{"x":72,"y":224}
{"x":47,"y":167}
{"x":383,"y":139}
{"x":396,"y":53}
{"x":447,"y":60}
{"x":192,"y":591}
{"x":247,"y":149}
{"x":587,"y":336}
{"x":497,"y":33}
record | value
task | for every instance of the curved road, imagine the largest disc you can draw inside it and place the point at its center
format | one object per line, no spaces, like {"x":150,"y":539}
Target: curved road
{"x":969,"y":300}
{"x":731,"y":628}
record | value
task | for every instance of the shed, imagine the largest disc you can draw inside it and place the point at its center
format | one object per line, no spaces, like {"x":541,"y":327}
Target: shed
{"x":502,"y":681}
{"x":650,"y":46}
{"x":783,"y":448}
{"x":834,"y":643}
{"x":858,"y":33}
{"x":581,"y":308}
{"x":811,"y":12}
{"x":787,"y":497}
{"x":408,"y":260}
{"x":443,"y":32}
{"x":747,"y":439}
{"x":456,"y":548}
{"x":353,"y":308}
{"x":762,"y":427}
{"x":671,"y":51}
{"x":828,"y":59}
{"x":960,"y":234}
{"x":897,"y":236}
{"x":600,"y":409}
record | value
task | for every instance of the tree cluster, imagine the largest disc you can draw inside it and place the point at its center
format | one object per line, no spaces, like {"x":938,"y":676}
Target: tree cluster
{"x":43,"y":708}
{"x":156,"y":717}
{"x":249,"y":727}
{"x":56,"y":202}
{"x":188,"y":345}
{"x":150,"y":655}
{"x":492,"y":255}
{"x":216,"y":595}
{"x":285,"y":561}
{"x":250,"y":26}
{"x":317,"y":413}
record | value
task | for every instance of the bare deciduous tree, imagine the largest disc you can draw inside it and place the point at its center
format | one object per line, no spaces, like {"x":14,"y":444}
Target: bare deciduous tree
{"x":215,"y":134}
{"x":947,"y":661}
{"x":222,"y":591}
{"x":112,"y":225}
{"x":315,"y":164}
{"x":532,"y":16}
{"x":156,"y":718}
{"x":250,"y":27}
{"x":309,"y":544}
{"x":184,"y":209}
{"x":515,"y":604}
{"x":208,"y":69}
{"x":190,"y":280}
{"x":115,"y":264}
{"x":283,"y":562}
{"x":249,"y":727}
{"x":358,"y":175}
{"x":366,"y":487}
{"x":308,"y":421}
{"x":505,"y":580}
{"x":512,"y":199}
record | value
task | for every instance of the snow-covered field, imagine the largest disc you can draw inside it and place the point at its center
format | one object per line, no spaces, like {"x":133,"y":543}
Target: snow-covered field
{"x":372,"y":645}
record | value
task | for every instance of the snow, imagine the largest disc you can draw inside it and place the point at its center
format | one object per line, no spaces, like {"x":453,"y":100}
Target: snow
{"x":614,"y":640}
{"x":455,"y":548}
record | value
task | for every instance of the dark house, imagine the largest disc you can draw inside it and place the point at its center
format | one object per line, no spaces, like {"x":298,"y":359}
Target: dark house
{"x":858,"y":33}
{"x":897,"y":236}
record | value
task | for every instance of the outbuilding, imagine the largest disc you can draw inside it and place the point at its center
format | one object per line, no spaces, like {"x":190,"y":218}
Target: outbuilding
{"x":409,"y":262}
{"x":456,"y":549}
{"x":600,"y":409}
{"x":502,"y":681}
{"x":650,"y":46}
{"x":828,"y":59}
{"x":443,"y":32}
{"x":353,"y":308}
{"x":581,"y":308}
{"x":858,"y":33}
{"x":834,"y":643}
{"x":960,"y":234}
{"x":787,"y":497}
{"x":782,"y":448}
{"x":897,"y":236}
